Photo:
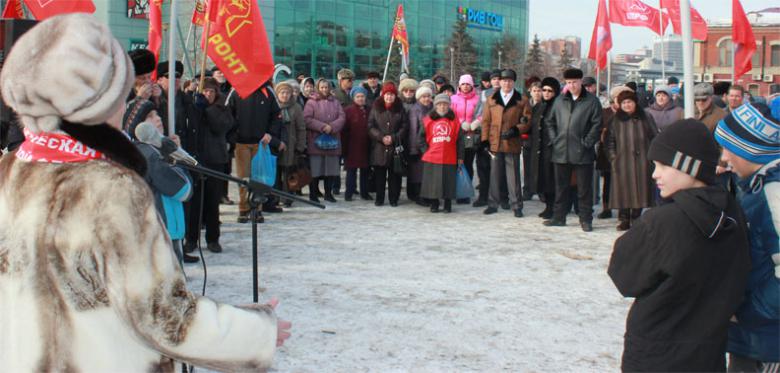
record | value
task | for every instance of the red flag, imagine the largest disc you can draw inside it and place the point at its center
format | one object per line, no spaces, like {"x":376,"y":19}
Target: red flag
{"x":13,"y":9}
{"x":42,"y":9}
{"x":636,"y":13}
{"x":212,"y":9}
{"x":399,"y":32}
{"x":744,"y":41}
{"x":199,"y":13}
{"x":698,"y":24}
{"x":155,"y":31}
{"x":238,"y":45}
{"x":601,"y":40}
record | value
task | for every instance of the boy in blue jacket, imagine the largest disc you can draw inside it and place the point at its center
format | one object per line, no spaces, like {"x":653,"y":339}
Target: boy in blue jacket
{"x":750,"y":138}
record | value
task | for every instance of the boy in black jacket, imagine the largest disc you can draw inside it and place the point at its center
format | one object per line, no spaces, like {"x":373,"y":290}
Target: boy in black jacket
{"x":686,"y":262}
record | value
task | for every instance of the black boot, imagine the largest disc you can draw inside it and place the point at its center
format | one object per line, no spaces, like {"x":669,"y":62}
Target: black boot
{"x":330,"y":181}
{"x":447,"y":206}
{"x":313,"y":191}
{"x":434,"y":205}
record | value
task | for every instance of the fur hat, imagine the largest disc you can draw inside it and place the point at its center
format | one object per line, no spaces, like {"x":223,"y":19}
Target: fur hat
{"x":428,"y":83}
{"x":68,"y":67}
{"x":422,"y":91}
{"x":632,"y":85}
{"x":143,"y":61}
{"x":389,"y":87}
{"x":162,"y":69}
{"x":572,"y":74}
{"x":552,"y":83}
{"x":485,"y":76}
{"x":408,"y":84}
{"x":627,"y":95}
{"x":345,"y":74}
{"x":278,"y":87}
{"x":688,"y":146}
{"x":441,"y":97}
{"x":373,"y":74}
{"x":615,"y":91}
{"x":739,"y":133}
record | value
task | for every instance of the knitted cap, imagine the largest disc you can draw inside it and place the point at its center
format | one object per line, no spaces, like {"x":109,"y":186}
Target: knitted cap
{"x":427,"y":83}
{"x":356,"y":90}
{"x":67,"y":67}
{"x":688,"y":146}
{"x":749,"y":133}
{"x":663,"y":89}
{"x":441,"y":97}
{"x":466,"y":79}
{"x":422,"y":91}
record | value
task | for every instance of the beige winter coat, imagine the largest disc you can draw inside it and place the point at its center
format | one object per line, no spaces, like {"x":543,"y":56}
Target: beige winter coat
{"x":89,"y":283}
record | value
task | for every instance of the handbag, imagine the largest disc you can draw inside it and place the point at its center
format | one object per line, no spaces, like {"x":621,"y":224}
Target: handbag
{"x":472,"y":141}
{"x":399,"y":161}
{"x":463,"y":187}
{"x":298,"y":178}
{"x":325,"y":141}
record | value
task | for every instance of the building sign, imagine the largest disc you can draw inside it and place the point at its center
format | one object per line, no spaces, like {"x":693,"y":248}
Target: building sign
{"x":137,"y":44}
{"x":138,"y":9}
{"x":481,"y":19}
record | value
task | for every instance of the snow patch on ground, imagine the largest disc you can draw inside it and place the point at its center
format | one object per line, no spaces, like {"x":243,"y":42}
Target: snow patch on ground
{"x":386,"y":289}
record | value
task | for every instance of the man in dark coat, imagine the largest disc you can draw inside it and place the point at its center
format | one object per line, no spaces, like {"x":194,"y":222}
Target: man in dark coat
{"x":686,"y":262}
{"x":541,"y":167}
{"x":574,"y":125}
{"x":373,"y":87}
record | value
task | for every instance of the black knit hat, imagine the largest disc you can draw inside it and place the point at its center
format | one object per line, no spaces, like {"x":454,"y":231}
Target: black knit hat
{"x":572,"y":74}
{"x":552,"y":83}
{"x":143,"y":61}
{"x":688,"y":146}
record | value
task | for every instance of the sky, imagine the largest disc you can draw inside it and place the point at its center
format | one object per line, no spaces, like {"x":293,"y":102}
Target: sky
{"x":548,"y":20}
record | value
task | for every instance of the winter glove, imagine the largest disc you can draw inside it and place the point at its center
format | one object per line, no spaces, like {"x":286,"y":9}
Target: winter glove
{"x":510,"y":133}
{"x":200,"y":101}
{"x":465,"y":125}
{"x":476,"y":125}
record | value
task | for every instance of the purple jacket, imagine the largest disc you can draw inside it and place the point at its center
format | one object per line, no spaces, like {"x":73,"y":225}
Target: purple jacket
{"x":318,"y":113}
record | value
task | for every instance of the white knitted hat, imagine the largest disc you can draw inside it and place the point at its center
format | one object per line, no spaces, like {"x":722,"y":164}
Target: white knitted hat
{"x":67,"y":67}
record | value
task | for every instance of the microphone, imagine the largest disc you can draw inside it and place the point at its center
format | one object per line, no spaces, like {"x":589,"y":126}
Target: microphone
{"x":147,"y":133}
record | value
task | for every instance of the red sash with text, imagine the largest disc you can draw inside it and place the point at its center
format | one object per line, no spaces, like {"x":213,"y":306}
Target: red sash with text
{"x":442,"y":138}
{"x":54,"y":148}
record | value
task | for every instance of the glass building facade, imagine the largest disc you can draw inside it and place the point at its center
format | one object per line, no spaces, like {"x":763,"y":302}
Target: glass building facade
{"x":319,"y":37}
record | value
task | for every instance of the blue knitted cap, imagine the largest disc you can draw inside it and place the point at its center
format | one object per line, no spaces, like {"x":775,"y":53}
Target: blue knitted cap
{"x":749,"y":133}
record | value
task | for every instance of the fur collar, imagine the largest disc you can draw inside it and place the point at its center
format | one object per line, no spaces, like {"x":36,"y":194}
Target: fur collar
{"x":638,"y":114}
{"x":512,"y":101}
{"x":109,"y":141}
{"x":379,"y":105}
{"x":435,"y":115}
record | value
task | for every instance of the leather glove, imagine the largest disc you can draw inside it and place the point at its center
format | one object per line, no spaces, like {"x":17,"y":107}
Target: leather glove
{"x":465,"y":125}
{"x":510,"y":133}
{"x":475,"y":125}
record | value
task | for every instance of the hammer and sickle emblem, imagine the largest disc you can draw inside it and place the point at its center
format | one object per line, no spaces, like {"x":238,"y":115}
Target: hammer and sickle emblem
{"x":238,"y":11}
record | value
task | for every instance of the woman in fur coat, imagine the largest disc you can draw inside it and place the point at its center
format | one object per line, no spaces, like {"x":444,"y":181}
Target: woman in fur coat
{"x":88,"y":278}
{"x":387,"y":128}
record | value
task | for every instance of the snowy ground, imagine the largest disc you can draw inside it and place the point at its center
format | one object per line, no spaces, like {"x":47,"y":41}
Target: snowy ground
{"x":400,"y":289}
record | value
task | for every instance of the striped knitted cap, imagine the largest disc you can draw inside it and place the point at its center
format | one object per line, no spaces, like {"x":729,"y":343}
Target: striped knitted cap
{"x":688,"y":146}
{"x":749,"y":133}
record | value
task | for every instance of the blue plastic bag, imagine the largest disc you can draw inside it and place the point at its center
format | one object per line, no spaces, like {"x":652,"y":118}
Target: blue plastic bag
{"x":463,"y":187}
{"x":264,"y":166}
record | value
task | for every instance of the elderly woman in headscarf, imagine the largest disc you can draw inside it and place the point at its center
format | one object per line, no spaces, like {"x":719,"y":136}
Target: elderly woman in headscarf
{"x":542,"y":169}
{"x":441,"y":138}
{"x":324,"y":119}
{"x":355,"y":140}
{"x":295,"y":128}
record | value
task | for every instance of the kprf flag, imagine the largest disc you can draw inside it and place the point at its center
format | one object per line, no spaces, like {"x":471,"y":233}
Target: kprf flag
{"x":199,"y":13}
{"x":13,"y":9}
{"x":238,"y":45}
{"x":601,"y":40}
{"x":744,"y":41}
{"x":399,"y":33}
{"x":155,"y":31}
{"x":637,"y":13}
{"x":698,"y":24}
{"x":42,"y":9}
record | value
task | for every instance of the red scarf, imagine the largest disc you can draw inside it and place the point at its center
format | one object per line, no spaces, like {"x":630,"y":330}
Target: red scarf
{"x":54,"y":148}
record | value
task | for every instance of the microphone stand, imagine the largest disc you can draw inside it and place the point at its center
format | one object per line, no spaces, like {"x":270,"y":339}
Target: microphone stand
{"x":257,"y":195}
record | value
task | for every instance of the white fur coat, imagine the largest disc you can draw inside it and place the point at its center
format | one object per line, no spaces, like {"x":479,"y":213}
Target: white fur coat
{"x":89,"y":282}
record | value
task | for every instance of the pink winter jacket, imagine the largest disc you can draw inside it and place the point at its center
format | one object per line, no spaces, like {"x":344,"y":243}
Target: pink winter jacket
{"x":465,"y":106}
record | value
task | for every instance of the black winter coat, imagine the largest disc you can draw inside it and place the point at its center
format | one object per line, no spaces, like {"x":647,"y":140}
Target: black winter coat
{"x":686,"y":263}
{"x":542,"y":170}
{"x":255,"y":116}
{"x":574,"y":127}
{"x":213,"y":145}
{"x":383,"y":122}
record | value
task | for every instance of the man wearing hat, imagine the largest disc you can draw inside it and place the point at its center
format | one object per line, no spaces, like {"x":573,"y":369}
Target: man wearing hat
{"x":483,"y":157}
{"x":346,"y":78}
{"x":440,"y":81}
{"x":372,"y":86}
{"x":706,"y":112}
{"x":750,"y":138}
{"x":503,"y":121}
{"x":143,"y":63}
{"x":590,"y":85}
{"x":574,"y":125}
{"x":685,"y":262}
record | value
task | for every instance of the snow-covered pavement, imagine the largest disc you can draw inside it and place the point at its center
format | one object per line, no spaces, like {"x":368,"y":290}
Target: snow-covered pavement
{"x":385,"y":289}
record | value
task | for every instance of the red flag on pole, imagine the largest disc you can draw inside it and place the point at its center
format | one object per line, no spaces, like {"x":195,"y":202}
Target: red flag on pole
{"x":636,"y":13}
{"x":155,"y":31}
{"x":199,"y":13}
{"x":13,"y":9}
{"x":743,"y":38}
{"x":601,"y":40}
{"x":698,"y":24}
{"x":238,"y":45}
{"x":399,"y":33}
{"x":42,"y":9}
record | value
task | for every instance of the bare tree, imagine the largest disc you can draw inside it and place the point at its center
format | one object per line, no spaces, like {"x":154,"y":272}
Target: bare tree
{"x":463,"y":60}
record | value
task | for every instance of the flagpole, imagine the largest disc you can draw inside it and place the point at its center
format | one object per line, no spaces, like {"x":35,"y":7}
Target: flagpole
{"x":187,"y":41}
{"x":387,"y":63}
{"x":207,"y":30}
{"x":687,"y":41}
{"x":663,"y":54}
{"x":172,"y":69}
